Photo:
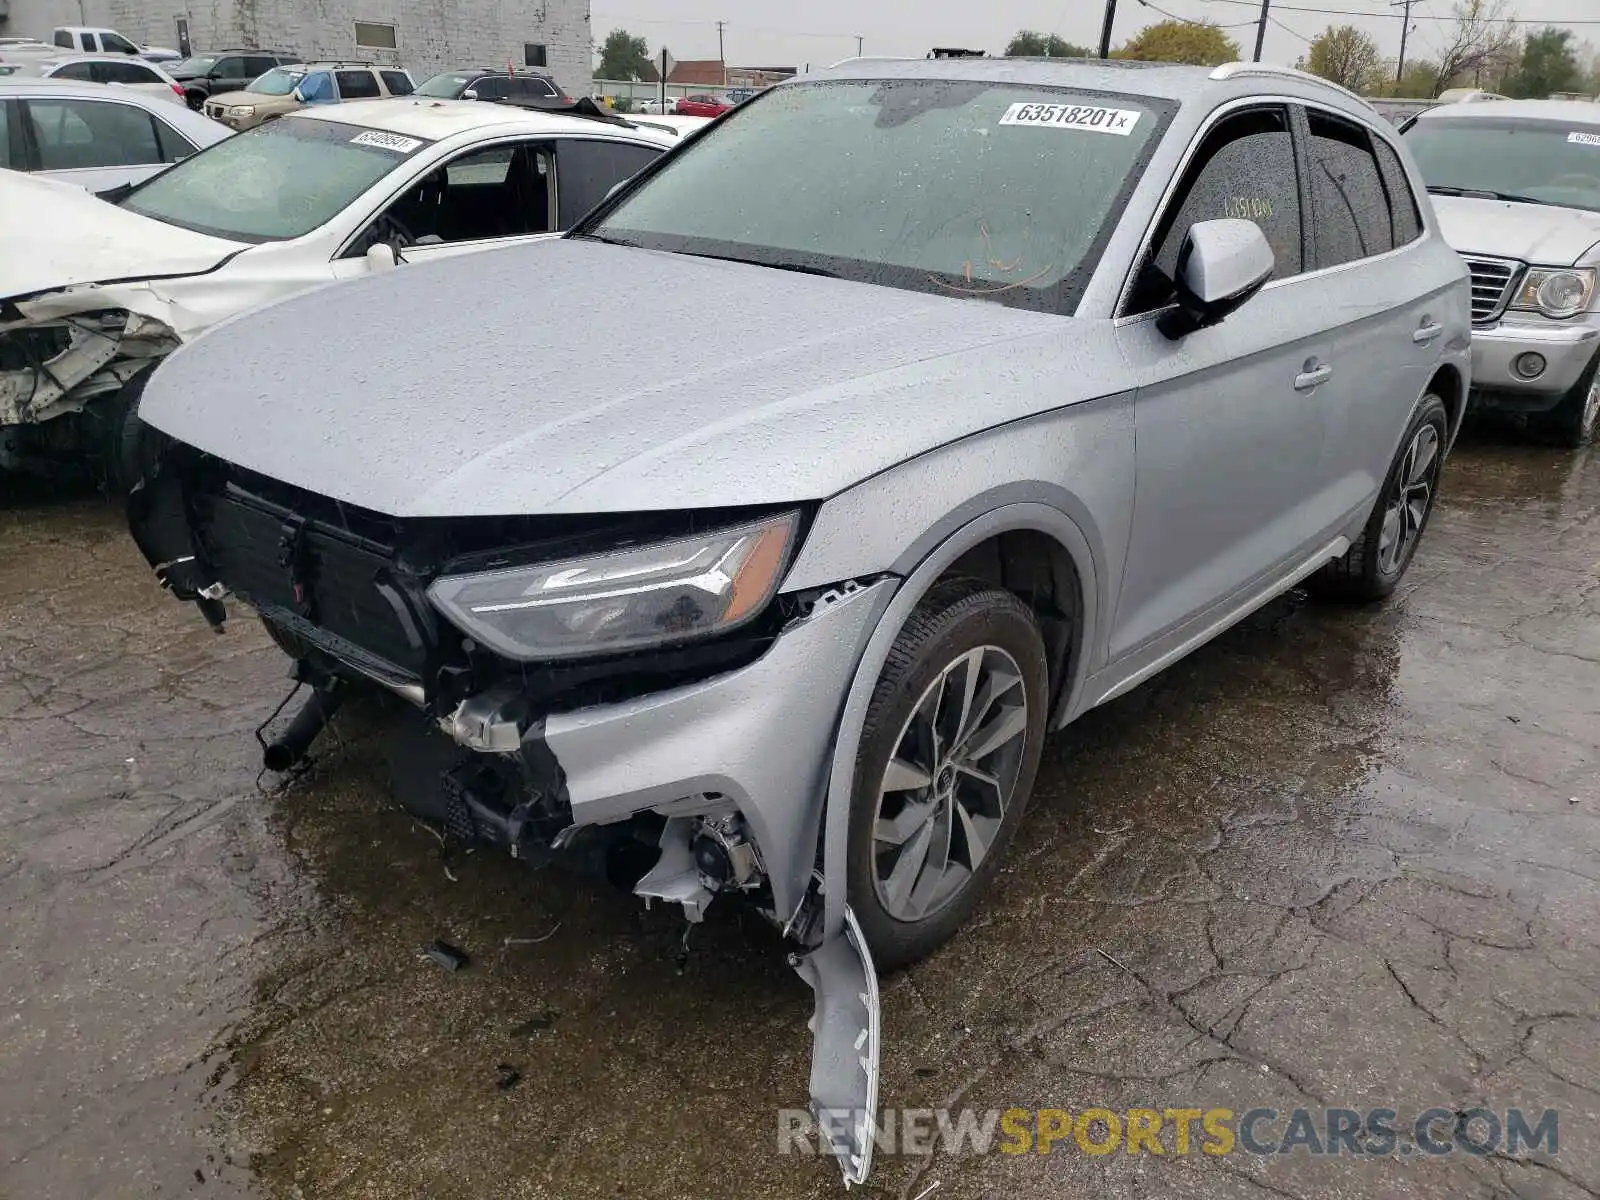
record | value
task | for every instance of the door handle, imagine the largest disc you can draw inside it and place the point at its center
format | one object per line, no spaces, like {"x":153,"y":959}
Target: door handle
{"x":1427,"y":332}
{"x":1311,"y":377}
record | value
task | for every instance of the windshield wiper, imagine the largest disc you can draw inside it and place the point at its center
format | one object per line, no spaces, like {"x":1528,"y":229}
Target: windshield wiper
{"x":1483,"y":193}
{"x":798,"y":268}
{"x":608,"y":241}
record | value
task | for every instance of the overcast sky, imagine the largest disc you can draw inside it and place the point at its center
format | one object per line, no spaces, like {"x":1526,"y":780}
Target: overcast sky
{"x":785,"y":33}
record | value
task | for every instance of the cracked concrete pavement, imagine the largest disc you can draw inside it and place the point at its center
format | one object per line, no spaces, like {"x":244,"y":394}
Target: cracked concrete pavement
{"x":1337,"y":858}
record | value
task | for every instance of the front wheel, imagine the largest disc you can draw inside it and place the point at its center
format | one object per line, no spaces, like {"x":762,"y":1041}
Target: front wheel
{"x":1571,"y":423}
{"x":948,"y":755}
{"x":1372,"y":567}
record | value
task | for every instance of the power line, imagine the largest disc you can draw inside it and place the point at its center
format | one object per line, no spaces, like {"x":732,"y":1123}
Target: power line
{"x":1350,"y":12}
{"x":1172,"y":16}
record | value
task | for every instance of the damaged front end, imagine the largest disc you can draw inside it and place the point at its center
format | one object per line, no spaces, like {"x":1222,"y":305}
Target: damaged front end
{"x":714,"y":751}
{"x":59,"y":357}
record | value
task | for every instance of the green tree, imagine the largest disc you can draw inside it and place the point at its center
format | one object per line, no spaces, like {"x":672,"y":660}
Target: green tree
{"x":623,"y":56}
{"x":1346,"y":56}
{"x":1201,"y":43}
{"x":1549,"y":64}
{"x":1031,"y":44}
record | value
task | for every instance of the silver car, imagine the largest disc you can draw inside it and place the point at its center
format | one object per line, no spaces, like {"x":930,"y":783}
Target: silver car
{"x":1517,"y":189}
{"x":1022,"y":381}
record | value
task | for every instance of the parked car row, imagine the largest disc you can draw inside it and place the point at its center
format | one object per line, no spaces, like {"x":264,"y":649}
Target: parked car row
{"x":1072,"y":370}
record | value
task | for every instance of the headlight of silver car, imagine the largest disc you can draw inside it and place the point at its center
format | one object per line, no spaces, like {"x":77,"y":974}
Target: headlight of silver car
{"x":1556,"y":291}
{"x":242,"y":110}
{"x":644,"y":596}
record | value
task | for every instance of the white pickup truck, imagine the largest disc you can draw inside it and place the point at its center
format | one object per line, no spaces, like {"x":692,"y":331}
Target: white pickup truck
{"x":84,"y":39}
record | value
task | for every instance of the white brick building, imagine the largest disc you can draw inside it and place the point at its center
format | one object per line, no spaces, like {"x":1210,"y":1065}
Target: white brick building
{"x":427,"y":35}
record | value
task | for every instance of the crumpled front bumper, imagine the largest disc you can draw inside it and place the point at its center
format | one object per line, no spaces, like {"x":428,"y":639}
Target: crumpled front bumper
{"x":758,"y":740}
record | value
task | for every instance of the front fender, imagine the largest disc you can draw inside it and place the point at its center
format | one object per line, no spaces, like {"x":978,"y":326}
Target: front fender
{"x":841,"y":778}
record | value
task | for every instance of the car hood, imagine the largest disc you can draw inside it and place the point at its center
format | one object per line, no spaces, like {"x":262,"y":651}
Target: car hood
{"x":243,"y":97}
{"x":55,"y":236}
{"x":1531,"y":233}
{"x":501,"y":383}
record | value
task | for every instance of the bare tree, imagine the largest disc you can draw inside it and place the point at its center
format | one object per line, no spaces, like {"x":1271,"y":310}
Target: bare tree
{"x":1480,"y":38}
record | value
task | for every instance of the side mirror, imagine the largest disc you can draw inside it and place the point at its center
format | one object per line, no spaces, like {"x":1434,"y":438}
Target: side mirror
{"x":382,"y":257}
{"x":470,"y":94}
{"x":1222,"y":264}
{"x":299,"y":96}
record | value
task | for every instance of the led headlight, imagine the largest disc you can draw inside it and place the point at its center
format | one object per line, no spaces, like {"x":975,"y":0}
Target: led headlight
{"x":1556,"y":291}
{"x":242,"y":110}
{"x":643,"y":596}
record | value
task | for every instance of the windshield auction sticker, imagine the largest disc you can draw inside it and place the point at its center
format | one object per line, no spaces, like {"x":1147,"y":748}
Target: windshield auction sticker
{"x":1584,"y":139}
{"x":1073,"y":116}
{"x":385,"y":141}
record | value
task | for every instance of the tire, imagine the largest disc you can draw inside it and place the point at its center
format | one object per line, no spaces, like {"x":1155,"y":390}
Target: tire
{"x":1370,"y":570}
{"x":1571,"y":423}
{"x":130,"y":447}
{"x":962,"y":625}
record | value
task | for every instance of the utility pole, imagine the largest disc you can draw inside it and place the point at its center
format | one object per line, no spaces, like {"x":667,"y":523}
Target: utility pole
{"x":1261,"y":29}
{"x":859,"y":40}
{"x":722,"y":61}
{"x":1405,"y":28}
{"x":1105,"y":28}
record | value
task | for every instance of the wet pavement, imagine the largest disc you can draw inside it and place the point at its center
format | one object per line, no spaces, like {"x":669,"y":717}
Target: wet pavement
{"x":1346,"y":859}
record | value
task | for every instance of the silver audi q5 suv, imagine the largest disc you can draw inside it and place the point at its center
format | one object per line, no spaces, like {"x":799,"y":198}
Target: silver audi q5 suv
{"x":1017,"y":382}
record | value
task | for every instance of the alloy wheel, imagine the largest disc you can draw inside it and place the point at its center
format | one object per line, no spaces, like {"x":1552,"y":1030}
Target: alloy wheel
{"x":949,"y":783}
{"x":1407,"y":508}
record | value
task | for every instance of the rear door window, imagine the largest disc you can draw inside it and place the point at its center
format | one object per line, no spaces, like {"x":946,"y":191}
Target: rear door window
{"x":534,"y":87}
{"x":1351,"y":218}
{"x":75,"y":135}
{"x":126,"y":72}
{"x":9,"y":156}
{"x":591,"y":167}
{"x":256,"y":67}
{"x":357,"y":85}
{"x":492,"y":88}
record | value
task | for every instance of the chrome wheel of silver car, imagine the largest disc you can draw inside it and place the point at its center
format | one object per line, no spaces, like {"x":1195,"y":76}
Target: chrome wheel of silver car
{"x":945,"y":791}
{"x":1407,"y":508}
{"x":1591,"y":410}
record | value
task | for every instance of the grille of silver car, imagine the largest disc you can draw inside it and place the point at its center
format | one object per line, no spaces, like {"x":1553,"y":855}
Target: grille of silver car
{"x":1492,"y":282}
{"x":214,"y":111}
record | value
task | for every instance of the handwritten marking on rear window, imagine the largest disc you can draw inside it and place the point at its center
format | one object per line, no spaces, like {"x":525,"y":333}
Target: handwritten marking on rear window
{"x":385,"y":141}
{"x":1584,"y":139}
{"x":1088,"y":118}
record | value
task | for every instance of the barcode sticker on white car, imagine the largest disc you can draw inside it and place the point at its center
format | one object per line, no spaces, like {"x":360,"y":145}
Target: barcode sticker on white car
{"x":385,"y":141}
{"x":1087,"y":117}
{"x":1584,"y":139}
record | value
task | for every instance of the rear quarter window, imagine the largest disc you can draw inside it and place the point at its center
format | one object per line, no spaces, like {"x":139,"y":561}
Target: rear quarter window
{"x":1402,"y":200}
{"x":357,"y":85}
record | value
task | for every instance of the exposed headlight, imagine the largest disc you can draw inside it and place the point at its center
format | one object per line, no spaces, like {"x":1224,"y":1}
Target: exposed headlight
{"x":242,"y":110}
{"x":645,"y":596}
{"x":1556,"y":291}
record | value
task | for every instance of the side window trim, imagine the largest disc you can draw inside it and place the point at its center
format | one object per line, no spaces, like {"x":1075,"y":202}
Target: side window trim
{"x":1174,"y":193}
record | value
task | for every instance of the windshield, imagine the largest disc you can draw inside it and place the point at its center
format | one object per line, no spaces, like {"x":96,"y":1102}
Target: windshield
{"x":960,"y":188}
{"x":279,"y":181}
{"x":1549,"y":161}
{"x":279,"y":81}
{"x":446,"y":85}
{"x":198,"y":65}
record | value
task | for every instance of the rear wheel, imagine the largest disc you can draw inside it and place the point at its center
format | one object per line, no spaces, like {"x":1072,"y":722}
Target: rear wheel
{"x":1571,"y":423}
{"x":1372,"y":567}
{"x":948,"y":755}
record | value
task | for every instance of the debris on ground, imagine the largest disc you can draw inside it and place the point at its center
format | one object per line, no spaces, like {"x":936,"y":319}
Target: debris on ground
{"x":506,"y":1077}
{"x":451,"y":958}
{"x":538,"y":1023}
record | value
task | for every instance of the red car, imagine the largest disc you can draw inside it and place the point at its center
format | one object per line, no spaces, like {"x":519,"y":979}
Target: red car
{"x":702,"y":105}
